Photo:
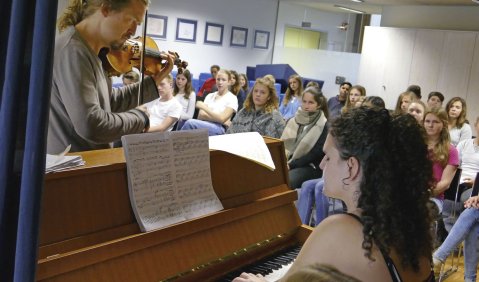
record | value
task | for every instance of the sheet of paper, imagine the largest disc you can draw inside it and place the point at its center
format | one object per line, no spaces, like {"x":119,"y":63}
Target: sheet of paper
{"x":248,"y":145}
{"x":169,"y":177}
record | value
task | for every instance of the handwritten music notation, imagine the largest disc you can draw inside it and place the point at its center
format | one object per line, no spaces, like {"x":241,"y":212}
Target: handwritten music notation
{"x":169,"y":177}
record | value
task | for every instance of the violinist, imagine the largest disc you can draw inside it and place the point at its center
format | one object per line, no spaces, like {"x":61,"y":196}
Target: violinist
{"x":85,"y":111}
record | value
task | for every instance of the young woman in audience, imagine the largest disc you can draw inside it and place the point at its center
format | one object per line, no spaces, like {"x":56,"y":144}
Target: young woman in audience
{"x":466,"y":227}
{"x":292,"y":97}
{"x":444,"y":159}
{"x":260,"y":112}
{"x":469,"y":161}
{"x":244,"y":83}
{"x":356,"y":93}
{"x":459,"y":129}
{"x":184,"y":93}
{"x":403,"y":102}
{"x":236,"y":89}
{"x":435,"y":99}
{"x":304,"y":137}
{"x":379,"y":167}
{"x":217,"y":108}
{"x":417,"y":109}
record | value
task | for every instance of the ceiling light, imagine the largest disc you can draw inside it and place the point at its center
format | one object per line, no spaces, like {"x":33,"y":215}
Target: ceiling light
{"x":349,"y":9}
{"x":361,"y":1}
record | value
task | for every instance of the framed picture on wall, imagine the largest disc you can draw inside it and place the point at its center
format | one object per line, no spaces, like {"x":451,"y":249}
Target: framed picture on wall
{"x":156,"y":26}
{"x":261,"y":39}
{"x":214,"y":33}
{"x":186,"y":30}
{"x":239,"y":36}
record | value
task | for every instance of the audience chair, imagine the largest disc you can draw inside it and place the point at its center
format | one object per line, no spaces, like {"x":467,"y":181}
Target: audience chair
{"x":453,"y":193}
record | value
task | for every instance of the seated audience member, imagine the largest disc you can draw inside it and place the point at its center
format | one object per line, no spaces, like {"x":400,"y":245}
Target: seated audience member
{"x":374,"y":101}
{"x":184,"y":93}
{"x":469,"y":161}
{"x":403,"y":102}
{"x":309,"y":273}
{"x":244,"y":83}
{"x":465,"y":229}
{"x":384,"y":181}
{"x":336,"y":104}
{"x":130,"y":77}
{"x":435,"y":100}
{"x":304,"y":137}
{"x":210,"y":83}
{"x":236,"y":89}
{"x":459,"y":129}
{"x":417,"y":109}
{"x":217,"y":108}
{"x":445,"y":160}
{"x":260,"y":113}
{"x":271,"y":78}
{"x":313,"y":84}
{"x":166,"y":110}
{"x":416,"y":89}
{"x":292,"y":97}
{"x":354,"y":96}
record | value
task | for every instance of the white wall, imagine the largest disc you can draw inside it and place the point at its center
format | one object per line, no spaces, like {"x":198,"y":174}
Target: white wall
{"x":432,"y":17}
{"x":252,"y":14}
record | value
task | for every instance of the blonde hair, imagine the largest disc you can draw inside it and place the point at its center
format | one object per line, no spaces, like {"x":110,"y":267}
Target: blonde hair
{"x":289,"y":93}
{"x":273,"y":101}
{"x":78,"y":10}
{"x":440,"y":152}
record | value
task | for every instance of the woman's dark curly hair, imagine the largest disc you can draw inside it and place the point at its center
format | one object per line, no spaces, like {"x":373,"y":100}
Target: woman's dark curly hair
{"x":396,"y":176}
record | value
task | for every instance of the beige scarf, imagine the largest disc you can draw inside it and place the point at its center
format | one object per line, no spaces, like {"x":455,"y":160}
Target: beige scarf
{"x":298,"y":141}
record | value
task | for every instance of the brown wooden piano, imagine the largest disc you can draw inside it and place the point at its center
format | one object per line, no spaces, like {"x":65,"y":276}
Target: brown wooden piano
{"x":88,"y":231}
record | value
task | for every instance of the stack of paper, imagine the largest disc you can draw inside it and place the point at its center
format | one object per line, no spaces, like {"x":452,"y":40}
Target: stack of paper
{"x":61,"y":162}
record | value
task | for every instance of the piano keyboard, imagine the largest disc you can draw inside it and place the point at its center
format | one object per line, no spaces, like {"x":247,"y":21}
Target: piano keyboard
{"x":272,"y":267}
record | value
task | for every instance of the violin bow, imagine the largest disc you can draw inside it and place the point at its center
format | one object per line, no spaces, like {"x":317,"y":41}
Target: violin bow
{"x":142,"y":72}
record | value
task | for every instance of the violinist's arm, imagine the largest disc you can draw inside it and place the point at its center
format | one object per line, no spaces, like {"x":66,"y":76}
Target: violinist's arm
{"x":207,"y":114}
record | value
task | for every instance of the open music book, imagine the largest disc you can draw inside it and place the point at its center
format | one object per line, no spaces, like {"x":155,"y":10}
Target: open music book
{"x":248,"y":145}
{"x":169,"y":177}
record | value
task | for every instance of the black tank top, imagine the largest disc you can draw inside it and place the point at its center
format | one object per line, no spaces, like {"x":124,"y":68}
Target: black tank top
{"x":395,"y":277}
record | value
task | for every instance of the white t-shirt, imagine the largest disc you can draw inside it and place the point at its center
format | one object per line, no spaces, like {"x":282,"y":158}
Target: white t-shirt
{"x":187,"y":104}
{"x":160,"y":110}
{"x":469,"y":158}
{"x":459,"y":134}
{"x":219,"y":103}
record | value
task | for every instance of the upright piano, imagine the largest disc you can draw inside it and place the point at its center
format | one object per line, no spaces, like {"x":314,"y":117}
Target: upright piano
{"x":88,"y":231}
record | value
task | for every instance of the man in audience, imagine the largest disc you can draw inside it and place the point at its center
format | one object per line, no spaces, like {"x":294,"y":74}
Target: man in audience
{"x":435,"y":99}
{"x":335,"y":104}
{"x":210,"y":83}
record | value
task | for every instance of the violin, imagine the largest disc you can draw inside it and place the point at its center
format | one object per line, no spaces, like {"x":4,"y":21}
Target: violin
{"x":117,"y":62}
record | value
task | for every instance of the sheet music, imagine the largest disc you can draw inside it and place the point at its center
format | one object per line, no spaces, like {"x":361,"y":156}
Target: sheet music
{"x":169,"y":178}
{"x":249,"y":145}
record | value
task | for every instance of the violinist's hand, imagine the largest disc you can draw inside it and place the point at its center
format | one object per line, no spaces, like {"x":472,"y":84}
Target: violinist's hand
{"x":249,"y":277}
{"x":162,"y":70}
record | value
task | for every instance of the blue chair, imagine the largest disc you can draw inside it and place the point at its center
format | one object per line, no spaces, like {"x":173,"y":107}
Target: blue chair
{"x":278,"y":88}
{"x":251,"y":84}
{"x":195,"y":83}
{"x":174,"y":73}
{"x":204,"y":76}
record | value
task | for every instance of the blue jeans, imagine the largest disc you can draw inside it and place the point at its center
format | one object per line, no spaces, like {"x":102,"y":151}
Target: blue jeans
{"x":311,"y":192}
{"x":213,"y":127}
{"x":466,"y":228}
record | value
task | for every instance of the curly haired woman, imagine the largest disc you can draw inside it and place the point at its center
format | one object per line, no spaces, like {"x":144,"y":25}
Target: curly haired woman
{"x":379,"y":167}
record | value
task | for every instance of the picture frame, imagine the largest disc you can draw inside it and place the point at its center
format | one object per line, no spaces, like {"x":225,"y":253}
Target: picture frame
{"x":239,"y":36}
{"x":214,"y":33}
{"x":157,"y":26}
{"x":186,"y":30}
{"x":261,"y":39}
